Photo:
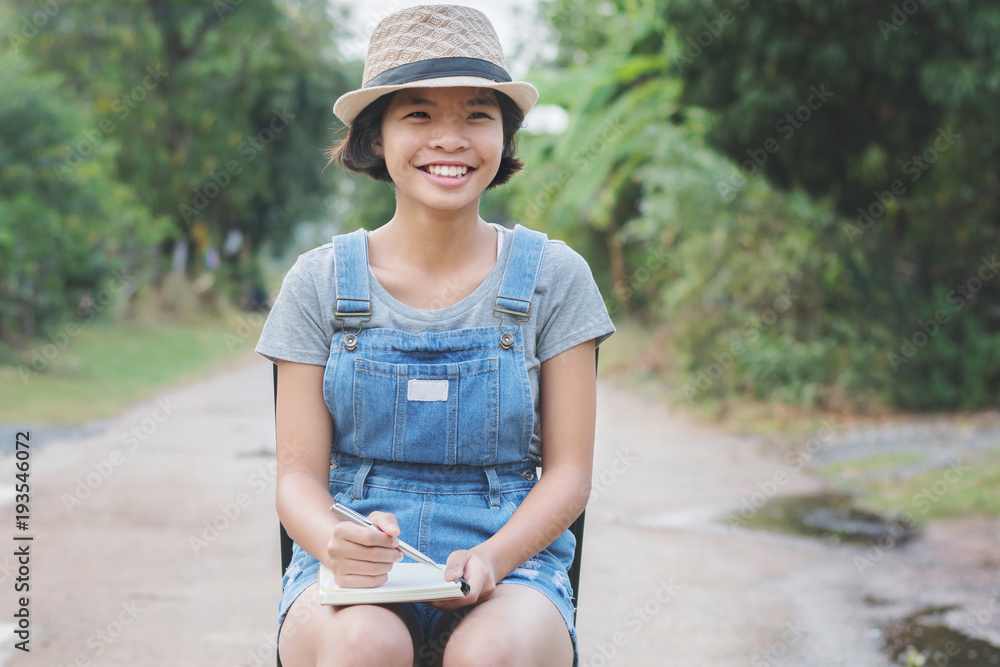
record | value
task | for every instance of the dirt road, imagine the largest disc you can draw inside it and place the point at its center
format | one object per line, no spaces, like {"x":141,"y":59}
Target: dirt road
{"x":155,"y":544}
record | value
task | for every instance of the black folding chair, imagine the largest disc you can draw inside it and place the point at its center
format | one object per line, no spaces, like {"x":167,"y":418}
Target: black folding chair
{"x":576,"y":528}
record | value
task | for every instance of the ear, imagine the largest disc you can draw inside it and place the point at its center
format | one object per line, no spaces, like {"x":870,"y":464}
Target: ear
{"x":377,"y":145}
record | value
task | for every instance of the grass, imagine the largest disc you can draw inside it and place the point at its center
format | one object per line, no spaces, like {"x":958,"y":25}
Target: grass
{"x":964,"y":490}
{"x":105,"y":366}
{"x":880,"y":464}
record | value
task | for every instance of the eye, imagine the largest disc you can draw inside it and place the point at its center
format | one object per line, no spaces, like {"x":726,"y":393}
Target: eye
{"x":415,"y":113}
{"x":479,"y":114}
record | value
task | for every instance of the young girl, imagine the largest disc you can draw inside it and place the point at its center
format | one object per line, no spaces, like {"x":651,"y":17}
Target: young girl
{"x":428,"y":368}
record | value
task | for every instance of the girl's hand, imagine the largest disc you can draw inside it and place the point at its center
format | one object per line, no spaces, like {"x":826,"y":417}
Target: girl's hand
{"x":360,"y":557}
{"x":477,"y":571}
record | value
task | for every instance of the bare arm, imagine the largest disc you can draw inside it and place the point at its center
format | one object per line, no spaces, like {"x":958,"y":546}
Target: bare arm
{"x":304,"y":430}
{"x":568,"y":387}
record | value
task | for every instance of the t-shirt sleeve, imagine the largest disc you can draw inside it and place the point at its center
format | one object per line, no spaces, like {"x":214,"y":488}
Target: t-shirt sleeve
{"x":572,"y":309}
{"x":295,"y":329}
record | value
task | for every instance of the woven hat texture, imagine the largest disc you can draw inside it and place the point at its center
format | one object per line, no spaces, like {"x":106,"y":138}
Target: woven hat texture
{"x":433,"y":46}
{"x":431,"y":31}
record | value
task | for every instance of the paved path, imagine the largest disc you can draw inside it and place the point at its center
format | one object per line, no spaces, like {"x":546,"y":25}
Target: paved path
{"x":155,"y":544}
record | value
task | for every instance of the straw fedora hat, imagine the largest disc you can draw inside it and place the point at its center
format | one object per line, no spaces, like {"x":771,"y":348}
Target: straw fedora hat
{"x":433,"y":46}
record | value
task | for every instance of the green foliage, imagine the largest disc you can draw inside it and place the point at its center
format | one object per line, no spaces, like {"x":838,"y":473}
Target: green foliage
{"x":890,"y":116}
{"x":219,"y":113}
{"x":580,"y":185}
{"x":729,"y":215}
{"x":62,"y":233}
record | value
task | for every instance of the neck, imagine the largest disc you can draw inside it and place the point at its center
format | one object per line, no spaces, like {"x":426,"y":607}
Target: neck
{"x":436,"y":241}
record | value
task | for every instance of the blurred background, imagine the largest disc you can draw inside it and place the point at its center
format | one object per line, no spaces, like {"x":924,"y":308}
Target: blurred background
{"x":790,"y":207}
{"x":798,"y":200}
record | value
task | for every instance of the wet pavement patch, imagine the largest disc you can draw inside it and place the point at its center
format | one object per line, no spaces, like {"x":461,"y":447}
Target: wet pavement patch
{"x":919,"y":640}
{"x":825,"y":515}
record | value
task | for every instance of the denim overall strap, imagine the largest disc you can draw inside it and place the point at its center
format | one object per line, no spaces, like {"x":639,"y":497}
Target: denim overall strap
{"x":350,"y":252}
{"x":519,"y":278}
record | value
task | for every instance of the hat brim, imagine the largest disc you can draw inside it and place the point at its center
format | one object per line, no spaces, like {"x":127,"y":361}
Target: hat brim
{"x":349,"y":105}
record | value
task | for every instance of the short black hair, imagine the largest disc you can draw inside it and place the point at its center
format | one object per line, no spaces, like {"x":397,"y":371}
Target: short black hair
{"x":355,"y":152}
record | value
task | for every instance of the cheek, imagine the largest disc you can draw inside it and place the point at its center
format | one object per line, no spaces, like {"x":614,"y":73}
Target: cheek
{"x":494,"y":139}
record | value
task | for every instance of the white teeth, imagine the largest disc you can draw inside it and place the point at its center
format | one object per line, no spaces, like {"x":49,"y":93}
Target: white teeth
{"x":442,"y":170}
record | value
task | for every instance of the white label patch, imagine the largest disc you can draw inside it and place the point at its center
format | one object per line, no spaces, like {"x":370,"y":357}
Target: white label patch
{"x":427,"y":390}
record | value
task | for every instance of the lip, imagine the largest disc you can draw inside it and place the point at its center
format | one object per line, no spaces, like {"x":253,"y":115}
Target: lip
{"x":446,"y":163}
{"x":451,"y":181}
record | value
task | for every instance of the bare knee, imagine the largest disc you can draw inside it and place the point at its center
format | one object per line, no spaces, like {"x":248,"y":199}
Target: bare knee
{"x":483,"y":648}
{"x":367,"y":637}
{"x":358,"y":635}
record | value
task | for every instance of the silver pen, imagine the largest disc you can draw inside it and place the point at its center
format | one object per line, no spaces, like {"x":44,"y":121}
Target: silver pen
{"x":350,"y":515}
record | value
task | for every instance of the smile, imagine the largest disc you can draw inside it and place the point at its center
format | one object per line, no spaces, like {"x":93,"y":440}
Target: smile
{"x":446,"y":170}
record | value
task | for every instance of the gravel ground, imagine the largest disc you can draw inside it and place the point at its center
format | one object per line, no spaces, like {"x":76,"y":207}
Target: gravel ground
{"x":155,"y":544}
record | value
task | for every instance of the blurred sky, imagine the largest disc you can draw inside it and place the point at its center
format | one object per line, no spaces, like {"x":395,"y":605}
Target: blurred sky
{"x":522,"y":34}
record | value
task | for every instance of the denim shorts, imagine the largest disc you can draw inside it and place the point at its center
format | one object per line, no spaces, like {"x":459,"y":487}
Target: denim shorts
{"x":441,"y":509}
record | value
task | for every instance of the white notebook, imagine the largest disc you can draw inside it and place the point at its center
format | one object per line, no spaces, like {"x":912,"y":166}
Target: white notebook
{"x":408,"y":582}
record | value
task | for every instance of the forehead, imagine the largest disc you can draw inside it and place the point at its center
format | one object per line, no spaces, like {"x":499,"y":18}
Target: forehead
{"x":468,"y":96}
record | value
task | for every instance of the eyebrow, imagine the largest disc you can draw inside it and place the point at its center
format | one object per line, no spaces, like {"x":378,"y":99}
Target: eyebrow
{"x":471,"y":102}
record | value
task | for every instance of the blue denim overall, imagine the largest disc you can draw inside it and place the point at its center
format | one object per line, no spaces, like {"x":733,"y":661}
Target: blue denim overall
{"x":435,"y":427}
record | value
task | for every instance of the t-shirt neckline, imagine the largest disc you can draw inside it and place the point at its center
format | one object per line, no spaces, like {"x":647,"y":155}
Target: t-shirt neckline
{"x":490,"y":284}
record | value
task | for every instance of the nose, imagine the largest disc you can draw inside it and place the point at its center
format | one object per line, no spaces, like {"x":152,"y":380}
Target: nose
{"x":448,"y":134}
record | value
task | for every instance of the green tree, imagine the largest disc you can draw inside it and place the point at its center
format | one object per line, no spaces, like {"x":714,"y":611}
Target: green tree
{"x":62,"y":236}
{"x":221,"y":111}
{"x":581,"y":184}
{"x":889,"y":113}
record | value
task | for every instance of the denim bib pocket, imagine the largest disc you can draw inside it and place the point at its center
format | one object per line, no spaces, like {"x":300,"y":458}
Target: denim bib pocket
{"x":444,"y":413}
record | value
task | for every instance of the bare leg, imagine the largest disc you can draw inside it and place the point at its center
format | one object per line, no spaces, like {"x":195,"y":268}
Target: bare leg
{"x":315,"y":635}
{"x":518,"y":626}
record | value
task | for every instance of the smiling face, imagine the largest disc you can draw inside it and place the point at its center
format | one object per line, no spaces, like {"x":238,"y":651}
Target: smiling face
{"x":442,"y":146}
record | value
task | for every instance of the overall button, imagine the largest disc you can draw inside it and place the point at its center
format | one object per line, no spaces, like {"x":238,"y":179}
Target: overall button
{"x":528,"y":475}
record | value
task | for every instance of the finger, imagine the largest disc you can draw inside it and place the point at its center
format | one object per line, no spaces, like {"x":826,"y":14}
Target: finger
{"x":352,"y":532}
{"x":363,"y":568}
{"x":386,"y":522}
{"x":359,"y":580}
{"x":455,"y":566}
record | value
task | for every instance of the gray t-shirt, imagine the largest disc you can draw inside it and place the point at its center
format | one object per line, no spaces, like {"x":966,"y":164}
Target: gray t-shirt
{"x":567,"y":309}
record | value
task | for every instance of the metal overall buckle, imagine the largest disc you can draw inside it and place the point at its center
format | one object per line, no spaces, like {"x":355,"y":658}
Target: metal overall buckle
{"x":507,"y":338}
{"x":351,"y":339}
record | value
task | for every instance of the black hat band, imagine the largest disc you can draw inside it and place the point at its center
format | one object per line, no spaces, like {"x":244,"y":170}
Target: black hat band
{"x":439,"y":67}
